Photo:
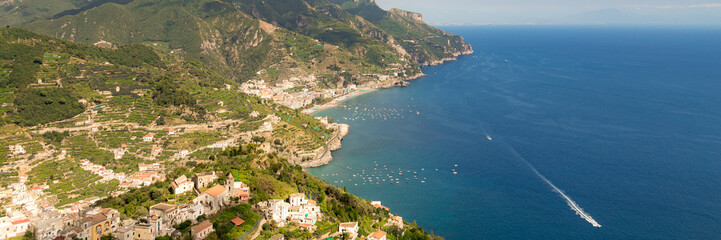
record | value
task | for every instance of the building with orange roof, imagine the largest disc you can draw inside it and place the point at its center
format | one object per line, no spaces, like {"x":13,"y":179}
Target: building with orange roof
{"x":213,"y":199}
{"x":202,"y":230}
{"x":379,"y":235}
{"x":237,"y":221}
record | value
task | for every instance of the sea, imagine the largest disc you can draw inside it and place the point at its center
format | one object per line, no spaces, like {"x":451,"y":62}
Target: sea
{"x":625,"y":121}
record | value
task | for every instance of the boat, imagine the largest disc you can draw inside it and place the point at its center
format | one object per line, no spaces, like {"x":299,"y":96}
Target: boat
{"x":489,"y":138}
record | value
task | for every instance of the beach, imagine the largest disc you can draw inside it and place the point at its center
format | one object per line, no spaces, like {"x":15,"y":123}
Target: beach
{"x":337,"y":101}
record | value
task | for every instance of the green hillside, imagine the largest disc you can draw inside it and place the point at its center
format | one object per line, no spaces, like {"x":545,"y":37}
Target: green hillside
{"x":238,"y":38}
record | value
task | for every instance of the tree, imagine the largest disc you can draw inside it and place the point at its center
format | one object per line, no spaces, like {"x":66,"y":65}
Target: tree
{"x":140,"y":211}
{"x":29,"y":236}
{"x":107,"y":237}
{"x":160,"y":121}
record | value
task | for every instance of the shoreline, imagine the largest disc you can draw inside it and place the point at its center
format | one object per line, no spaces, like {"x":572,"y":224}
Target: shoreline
{"x":337,"y":101}
{"x":344,"y":129}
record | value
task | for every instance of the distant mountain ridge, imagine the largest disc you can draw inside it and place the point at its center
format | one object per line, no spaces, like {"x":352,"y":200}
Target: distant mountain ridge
{"x":234,"y":37}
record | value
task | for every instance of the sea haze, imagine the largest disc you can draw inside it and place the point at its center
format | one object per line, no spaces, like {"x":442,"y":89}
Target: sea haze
{"x":625,"y":120}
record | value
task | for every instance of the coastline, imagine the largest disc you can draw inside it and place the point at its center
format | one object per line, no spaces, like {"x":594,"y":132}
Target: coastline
{"x":344,"y":129}
{"x":337,"y":101}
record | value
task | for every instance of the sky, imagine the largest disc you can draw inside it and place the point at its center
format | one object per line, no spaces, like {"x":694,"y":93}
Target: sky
{"x":475,"y":12}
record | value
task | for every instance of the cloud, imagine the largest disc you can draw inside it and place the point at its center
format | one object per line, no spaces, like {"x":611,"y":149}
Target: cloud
{"x":708,"y":5}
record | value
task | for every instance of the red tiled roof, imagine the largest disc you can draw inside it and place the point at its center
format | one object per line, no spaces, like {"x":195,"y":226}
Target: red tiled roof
{"x":237,"y":221}
{"x":305,"y":225}
{"x":21,"y":221}
{"x":378,"y":235}
{"x":215,"y":191}
{"x":202,"y":226}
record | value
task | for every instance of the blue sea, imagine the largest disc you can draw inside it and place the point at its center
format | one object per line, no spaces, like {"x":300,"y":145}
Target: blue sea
{"x":626,"y":121}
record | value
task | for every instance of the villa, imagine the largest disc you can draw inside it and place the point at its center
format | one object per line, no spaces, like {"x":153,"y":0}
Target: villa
{"x":181,"y":185}
{"x":302,"y":211}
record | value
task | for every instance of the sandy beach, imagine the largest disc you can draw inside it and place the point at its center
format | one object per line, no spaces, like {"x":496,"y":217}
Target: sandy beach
{"x":337,"y":101}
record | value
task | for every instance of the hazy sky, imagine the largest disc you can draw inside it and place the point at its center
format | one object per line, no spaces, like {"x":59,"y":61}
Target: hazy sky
{"x":562,"y":11}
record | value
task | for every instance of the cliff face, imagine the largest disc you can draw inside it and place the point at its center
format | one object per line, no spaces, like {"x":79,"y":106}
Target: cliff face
{"x":412,"y":15}
{"x":425,"y":44}
{"x":323,"y":155}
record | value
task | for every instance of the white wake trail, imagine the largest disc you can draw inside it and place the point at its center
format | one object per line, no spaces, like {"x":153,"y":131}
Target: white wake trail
{"x":574,"y":206}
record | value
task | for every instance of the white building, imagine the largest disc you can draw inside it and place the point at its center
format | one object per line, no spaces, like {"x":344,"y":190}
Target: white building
{"x":277,"y":211}
{"x":13,"y":227}
{"x":349,"y":227}
{"x":17,"y":149}
{"x":148,"y":167}
{"x":300,"y":210}
{"x":148,"y":138}
{"x":181,"y":185}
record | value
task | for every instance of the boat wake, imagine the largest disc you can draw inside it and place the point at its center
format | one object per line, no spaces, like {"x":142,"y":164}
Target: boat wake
{"x":574,"y":206}
{"x":486,"y":133}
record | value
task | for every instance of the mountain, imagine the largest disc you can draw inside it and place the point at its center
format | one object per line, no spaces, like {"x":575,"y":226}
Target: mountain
{"x":48,"y":84}
{"x":238,"y":38}
{"x":79,"y":121}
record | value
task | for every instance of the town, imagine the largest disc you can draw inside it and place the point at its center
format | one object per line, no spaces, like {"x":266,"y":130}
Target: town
{"x":81,"y":221}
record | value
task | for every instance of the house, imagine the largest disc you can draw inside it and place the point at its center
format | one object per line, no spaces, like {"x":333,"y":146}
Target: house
{"x":146,"y":229}
{"x":349,"y":227}
{"x":395,"y":221}
{"x":151,"y":227}
{"x":133,"y":137}
{"x":10,"y":228}
{"x":171,"y":131}
{"x":181,"y":185}
{"x":163,"y":210}
{"x":277,"y":210}
{"x":195,"y":211}
{"x":302,"y":211}
{"x":17,"y":149}
{"x":237,"y":221}
{"x":379,"y":235}
{"x":202,"y":180}
{"x":47,"y":225}
{"x":148,"y":167}
{"x":297,"y":199}
{"x":237,"y":189}
{"x":125,"y":233}
{"x":157,"y":150}
{"x":148,"y":138}
{"x":241,"y":191}
{"x":118,"y":153}
{"x":183,"y":153}
{"x":99,"y":224}
{"x":277,"y":237}
{"x":93,"y":129}
{"x":213,"y":199}
{"x":188,"y":212}
{"x":377,"y":204}
{"x":201,"y":230}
